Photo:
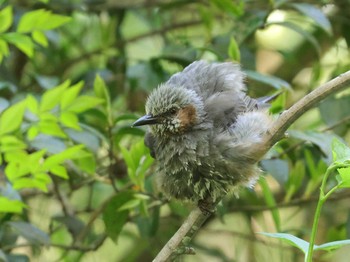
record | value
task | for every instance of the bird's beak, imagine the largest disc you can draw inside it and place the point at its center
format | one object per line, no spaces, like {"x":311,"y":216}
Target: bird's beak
{"x":146,"y":120}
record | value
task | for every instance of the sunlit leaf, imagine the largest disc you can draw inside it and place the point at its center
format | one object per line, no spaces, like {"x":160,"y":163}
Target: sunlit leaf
{"x":70,"y":119}
{"x":4,"y":49}
{"x":59,"y":158}
{"x":5,"y":18}
{"x":344,"y":177}
{"x":340,"y":151}
{"x":11,"y":118}
{"x":32,"y":104}
{"x":40,"y":20}
{"x":102,"y":92}
{"x":22,"y":42}
{"x":51,"y":128}
{"x":83,"y":103}
{"x":233,"y":50}
{"x":70,"y":95}
{"x":52,"y":97}
{"x":30,"y":183}
{"x":59,"y":171}
{"x":11,"y":206}
{"x":11,"y":143}
{"x":40,"y":38}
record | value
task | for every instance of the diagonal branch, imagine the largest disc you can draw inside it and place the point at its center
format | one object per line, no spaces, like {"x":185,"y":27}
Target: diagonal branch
{"x":196,"y":218}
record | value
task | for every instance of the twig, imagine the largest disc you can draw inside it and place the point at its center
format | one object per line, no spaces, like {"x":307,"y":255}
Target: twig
{"x":289,"y":116}
{"x":196,"y":218}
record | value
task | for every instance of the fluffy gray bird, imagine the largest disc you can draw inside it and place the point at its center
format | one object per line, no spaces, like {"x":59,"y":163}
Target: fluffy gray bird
{"x":204,"y":132}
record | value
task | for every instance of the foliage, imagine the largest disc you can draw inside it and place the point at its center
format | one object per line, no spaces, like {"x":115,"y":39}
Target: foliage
{"x":74,"y":175}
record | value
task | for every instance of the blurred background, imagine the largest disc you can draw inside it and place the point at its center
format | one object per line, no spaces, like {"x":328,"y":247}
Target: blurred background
{"x":107,"y":208}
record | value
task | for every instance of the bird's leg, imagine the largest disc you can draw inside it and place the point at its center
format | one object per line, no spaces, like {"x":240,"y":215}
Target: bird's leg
{"x":207,"y":206}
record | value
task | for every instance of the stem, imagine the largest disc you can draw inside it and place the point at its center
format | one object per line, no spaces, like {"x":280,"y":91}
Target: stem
{"x":322,"y":199}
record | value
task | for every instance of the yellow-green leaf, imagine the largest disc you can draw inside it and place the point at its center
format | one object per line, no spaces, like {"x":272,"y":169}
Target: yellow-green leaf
{"x":11,"y":206}
{"x":5,"y":18}
{"x":233,"y":50}
{"x":12,"y":117}
{"x":40,"y":38}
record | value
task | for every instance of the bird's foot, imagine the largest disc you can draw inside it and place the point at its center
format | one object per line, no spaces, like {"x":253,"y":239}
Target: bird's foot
{"x":206,"y":206}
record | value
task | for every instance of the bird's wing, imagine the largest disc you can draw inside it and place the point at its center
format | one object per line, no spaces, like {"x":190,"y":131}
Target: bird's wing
{"x":221,"y":87}
{"x":207,"y":79}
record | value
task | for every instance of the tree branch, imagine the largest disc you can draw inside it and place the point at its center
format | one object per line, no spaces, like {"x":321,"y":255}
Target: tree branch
{"x":196,"y":218}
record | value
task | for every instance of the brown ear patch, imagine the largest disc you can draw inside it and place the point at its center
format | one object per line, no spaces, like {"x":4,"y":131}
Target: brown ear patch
{"x":187,"y":116}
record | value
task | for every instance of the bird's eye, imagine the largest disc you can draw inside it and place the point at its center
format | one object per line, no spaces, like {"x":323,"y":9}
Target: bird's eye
{"x":173,"y":110}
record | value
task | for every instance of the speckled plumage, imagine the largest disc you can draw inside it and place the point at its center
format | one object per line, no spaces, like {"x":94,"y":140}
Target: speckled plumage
{"x":204,"y":131}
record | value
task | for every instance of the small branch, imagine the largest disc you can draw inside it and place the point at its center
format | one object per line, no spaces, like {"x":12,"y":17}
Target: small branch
{"x":189,"y":227}
{"x":288,"y":117}
{"x":196,"y":218}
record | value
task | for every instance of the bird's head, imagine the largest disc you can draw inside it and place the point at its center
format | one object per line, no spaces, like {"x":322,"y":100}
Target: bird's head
{"x":172,"y":110}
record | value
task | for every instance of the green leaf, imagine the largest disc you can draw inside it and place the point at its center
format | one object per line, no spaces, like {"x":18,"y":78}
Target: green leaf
{"x":34,"y":159}
{"x":11,"y":143}
{"x":22,"y":42}
{"x":340,"y":152}
{"x":315,"y":14}
{"x":322,"y":140}
{"x":275,"y":82}
{"x":5,"y":18}
{"x":230,"y":6}
{"x":271,"y":202}
{"x":40,"y":38}
{"x":333,"y":245}
{"x":52,"y":97}
{"x":30,"y":183}
{"x":113,"y":219}
{"x":308,"y":36}
{"x":32,"y":104}
{"x":340,"y":111}
{"x":233,"y":50}
{"x":43,"y":177}
{"x":40,"y":20}
{"x":59,"y":171}
{"x":295,"y":181}
{"x":344,"y":177}
{"x":70,"y":119}
{"x":32,"y":132}
{"x":12,"y":117}
{"x":129,"y":163}
{"x":290,"y":239}
{"x":51,"y":128}
{"x":57,"y":159}
{"x":30,"y":232}
{"x":83,"y":103}
{"x":70,"y":95}
{"x":132,"y":203}
{"x":127,"y":130}
{"x":86,"y":163}
{"x":4,"y":49}
{"x":11,"y":206}
{"x":102,"y":92}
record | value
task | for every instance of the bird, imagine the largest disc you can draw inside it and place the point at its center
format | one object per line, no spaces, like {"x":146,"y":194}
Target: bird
{"x":205,"y":132}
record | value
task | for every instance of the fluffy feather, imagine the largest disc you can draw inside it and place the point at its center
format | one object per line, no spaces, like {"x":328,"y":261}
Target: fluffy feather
{"x":217,"y":149}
